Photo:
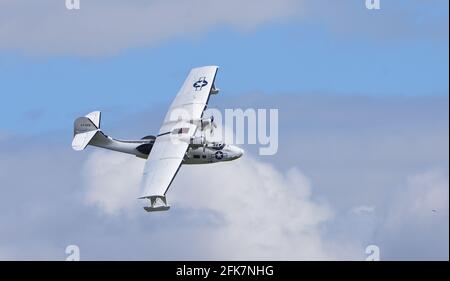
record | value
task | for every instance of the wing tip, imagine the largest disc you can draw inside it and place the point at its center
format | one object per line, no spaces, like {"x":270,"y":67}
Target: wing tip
{"x":206,"y":67}
{"x":157,"y":209}
{"x":157,"y":203}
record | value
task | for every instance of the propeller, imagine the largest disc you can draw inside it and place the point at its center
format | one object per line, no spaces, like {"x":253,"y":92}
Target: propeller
{"x":213,"y":126}
{"x":204,"y":142}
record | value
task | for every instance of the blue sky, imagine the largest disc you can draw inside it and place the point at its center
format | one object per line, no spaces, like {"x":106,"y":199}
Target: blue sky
{"x":363,"y":128}
{"x":292,"y":57}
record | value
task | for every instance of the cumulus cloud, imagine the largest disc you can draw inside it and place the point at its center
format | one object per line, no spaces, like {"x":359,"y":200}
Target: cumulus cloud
{"x":396,"y":19}
{"x":112,"y":181}
{"x":263,"y":210}
{"x":260,"y":212}
{"x":105,"y":27}
{"x":423,"y":193}
{"x":417,"y":218}
{"x":391,"y":155}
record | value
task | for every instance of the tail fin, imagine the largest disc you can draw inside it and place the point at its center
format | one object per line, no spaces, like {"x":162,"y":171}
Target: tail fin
{"x":85,"y":128}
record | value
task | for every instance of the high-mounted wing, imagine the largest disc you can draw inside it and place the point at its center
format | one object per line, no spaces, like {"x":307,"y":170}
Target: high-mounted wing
{"x":163,"y":164}
{"x":174,"y":136}
{"x":193,"y":95}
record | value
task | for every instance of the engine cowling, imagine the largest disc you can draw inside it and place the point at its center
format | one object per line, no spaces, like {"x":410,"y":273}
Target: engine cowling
{"x":205,"y":122}
{"x":198,"y":141}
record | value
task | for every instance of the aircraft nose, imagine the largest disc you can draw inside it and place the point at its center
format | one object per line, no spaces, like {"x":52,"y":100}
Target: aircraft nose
{"x":240,"y":152}
{"x":235,"y":152}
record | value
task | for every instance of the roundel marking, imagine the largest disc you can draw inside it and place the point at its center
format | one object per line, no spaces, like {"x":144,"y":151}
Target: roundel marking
{"x":219,"y":155}
{"x":200,"y":84}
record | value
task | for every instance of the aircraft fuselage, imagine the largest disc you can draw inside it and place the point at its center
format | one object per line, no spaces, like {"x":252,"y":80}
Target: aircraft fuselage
{"x":212,"y":152}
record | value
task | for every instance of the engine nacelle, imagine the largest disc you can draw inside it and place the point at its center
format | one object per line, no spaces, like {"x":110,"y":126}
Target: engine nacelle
{"x":203,"y":123}
{"x":198,"y":141}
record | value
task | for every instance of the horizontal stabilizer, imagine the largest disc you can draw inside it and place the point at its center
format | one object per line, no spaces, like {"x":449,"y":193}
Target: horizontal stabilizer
{"x":81,"y":140}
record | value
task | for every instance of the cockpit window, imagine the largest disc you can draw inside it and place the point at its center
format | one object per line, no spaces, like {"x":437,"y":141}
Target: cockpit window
{"x":218,"y":146}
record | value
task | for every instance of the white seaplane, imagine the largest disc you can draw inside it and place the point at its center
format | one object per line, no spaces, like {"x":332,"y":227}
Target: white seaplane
{"x":181,"y":138}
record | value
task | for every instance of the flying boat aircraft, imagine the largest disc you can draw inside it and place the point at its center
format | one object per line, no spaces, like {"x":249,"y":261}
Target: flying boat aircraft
{"x":181,"y":138}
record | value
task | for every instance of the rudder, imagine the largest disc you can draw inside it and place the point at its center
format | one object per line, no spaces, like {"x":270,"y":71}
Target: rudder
{"x":85,"y":129}
{"x":87,"y":123}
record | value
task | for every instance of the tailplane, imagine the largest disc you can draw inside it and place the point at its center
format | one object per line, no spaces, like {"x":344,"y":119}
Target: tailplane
{"x":86,"y":131}
{"x":85,"y":128}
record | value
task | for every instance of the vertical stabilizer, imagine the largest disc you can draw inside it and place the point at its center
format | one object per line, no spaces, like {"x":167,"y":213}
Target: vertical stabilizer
{"x":85,"y":128}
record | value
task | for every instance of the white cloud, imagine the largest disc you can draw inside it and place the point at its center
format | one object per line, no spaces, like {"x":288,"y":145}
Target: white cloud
{"x":359,"y":210}
{"x":415,"y":202}
{"x":105,"y":26}
{"x":246,"y":208}
{"x":112,"y":181}
{"x":259,"y":212}
{"x":266,"y":213}
{"x":410,"y":229}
